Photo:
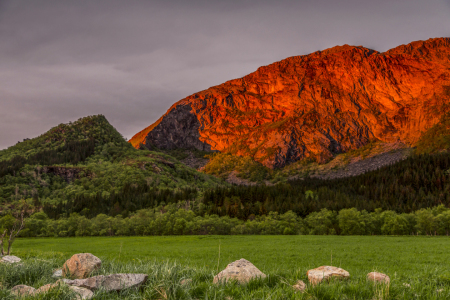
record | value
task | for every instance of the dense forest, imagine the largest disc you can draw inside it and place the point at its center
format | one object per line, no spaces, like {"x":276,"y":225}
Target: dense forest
{"x":420,"y":181}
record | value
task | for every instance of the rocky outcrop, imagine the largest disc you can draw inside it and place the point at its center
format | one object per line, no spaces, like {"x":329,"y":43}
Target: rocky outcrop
{"x":320,"y":274}
{"x":194,"y":161}
{"x":358,"y":167}
{"x":314,"y":106}
{"x":67,"y":173}
{"x":241,"y":270}
{"x":378,"y":277}
{"x":178,"y":129}
{"x":81,"y":265}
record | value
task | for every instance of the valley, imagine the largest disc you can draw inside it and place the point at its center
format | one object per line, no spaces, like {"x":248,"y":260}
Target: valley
{"x":224,"y":150}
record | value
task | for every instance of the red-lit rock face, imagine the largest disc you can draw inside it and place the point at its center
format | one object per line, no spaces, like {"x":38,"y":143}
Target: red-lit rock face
{"x":315,"y":105}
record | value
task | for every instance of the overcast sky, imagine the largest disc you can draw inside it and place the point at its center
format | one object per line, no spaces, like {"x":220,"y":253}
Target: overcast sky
{"x":131,"y":60}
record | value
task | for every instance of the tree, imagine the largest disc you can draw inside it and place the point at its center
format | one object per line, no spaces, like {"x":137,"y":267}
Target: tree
{"x":443,"y":223}
{"x":321,"y":223}
{"x":350,"y":222}
{"x":14,"y":230}
{"x":425,"y":221}
{"x":394,"y":224}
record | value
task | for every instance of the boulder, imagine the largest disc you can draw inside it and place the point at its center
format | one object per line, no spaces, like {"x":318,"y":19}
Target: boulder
{"x":113,"y":282}
{"x":57,"y":273}
{"x":23,"y":290}
{"x":91,"y":283}
{"x":300,"y":286}
{"x":378,"y":277}
{"x":241,"y":270}
{"x":325,"y":273}
{"x":81,"y":265}
{"x":82,"y":293}
{"x":11,"y":259}
{"x":118,"y":282}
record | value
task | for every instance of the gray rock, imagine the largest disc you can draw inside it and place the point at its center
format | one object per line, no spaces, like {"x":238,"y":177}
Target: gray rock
{"x":325,"y":273}
{"x":179,"y":128}
{"x":241,"y":270}
{"x":92,"y":283}
{"x":118,"y":282}
{"x":378,"y":277}
{"x":57,"y":273}
{"x":10,"y":259}
{"x":300,"y":286}
{"x":23,"y":290}
{"x":114,"y":282}
{"x":82,"y":293}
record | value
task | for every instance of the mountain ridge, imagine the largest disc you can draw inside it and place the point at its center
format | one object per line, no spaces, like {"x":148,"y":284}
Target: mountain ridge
{"x":314,"y":106}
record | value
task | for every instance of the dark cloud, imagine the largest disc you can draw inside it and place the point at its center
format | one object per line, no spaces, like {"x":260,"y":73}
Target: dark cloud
{"x":131,"y":60}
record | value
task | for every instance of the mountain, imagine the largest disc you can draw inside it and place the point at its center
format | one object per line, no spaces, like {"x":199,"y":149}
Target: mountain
{"x":314,"y":106}
{"x":88,"y":167}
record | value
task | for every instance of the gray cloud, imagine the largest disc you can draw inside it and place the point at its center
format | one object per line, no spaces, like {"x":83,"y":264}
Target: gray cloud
{"x":131,"y":60}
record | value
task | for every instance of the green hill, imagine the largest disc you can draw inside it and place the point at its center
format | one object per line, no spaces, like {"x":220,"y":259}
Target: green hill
{"x":88,"y":167}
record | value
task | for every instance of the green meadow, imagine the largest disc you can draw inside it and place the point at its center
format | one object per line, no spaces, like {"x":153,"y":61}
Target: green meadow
{"x":419,"y":267}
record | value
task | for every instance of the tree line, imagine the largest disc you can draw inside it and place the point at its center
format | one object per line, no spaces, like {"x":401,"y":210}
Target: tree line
{"x":186,"y":218}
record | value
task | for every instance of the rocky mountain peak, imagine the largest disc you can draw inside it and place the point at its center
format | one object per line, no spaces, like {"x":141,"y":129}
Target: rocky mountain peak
{"x":314,"y":106}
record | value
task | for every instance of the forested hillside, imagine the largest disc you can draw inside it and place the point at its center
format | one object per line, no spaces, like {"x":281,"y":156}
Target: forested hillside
{"x":420,"y":181}
{"x":88,"y":167}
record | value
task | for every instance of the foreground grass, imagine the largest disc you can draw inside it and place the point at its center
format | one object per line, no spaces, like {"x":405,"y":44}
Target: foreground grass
{"x":419,"y":267}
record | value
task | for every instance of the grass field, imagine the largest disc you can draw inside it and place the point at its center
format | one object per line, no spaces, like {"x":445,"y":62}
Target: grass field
{"x":421,"y":262}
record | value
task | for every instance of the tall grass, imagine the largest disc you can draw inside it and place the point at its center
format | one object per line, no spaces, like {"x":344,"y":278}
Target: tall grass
{"x":165,"y":282}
